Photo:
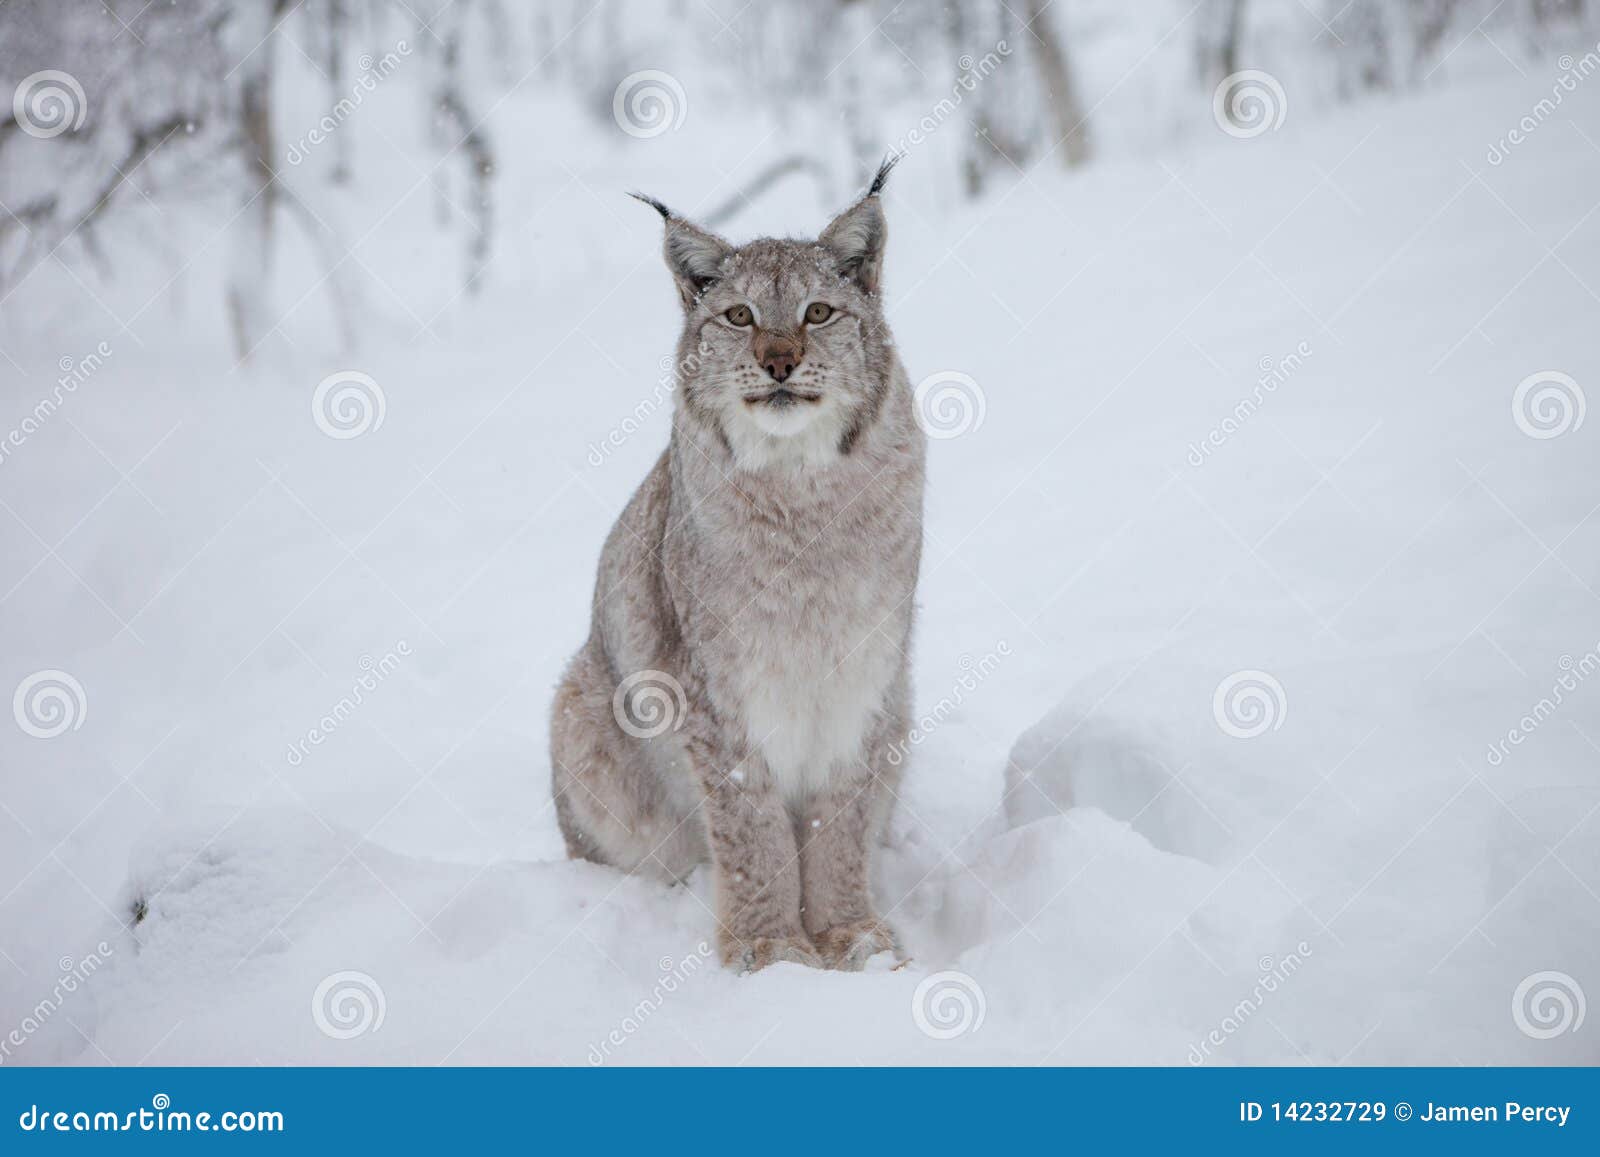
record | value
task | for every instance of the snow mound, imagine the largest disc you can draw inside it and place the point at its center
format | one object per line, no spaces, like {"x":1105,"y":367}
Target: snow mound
{"x":318,"y":948}
{"x":1380,"y":850}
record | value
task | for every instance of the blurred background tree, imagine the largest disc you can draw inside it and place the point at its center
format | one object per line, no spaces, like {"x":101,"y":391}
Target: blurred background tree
{"x":190,"y":100}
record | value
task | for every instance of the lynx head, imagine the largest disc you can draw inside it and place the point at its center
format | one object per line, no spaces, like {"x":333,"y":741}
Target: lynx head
{"x":784,"y":351}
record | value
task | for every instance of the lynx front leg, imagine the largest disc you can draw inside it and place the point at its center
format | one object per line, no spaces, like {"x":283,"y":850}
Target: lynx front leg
{"x":757,"y":868}
{"x":838,"y":830}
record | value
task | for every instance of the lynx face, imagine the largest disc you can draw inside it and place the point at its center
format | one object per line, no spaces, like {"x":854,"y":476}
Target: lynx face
{"x":784,"y":350}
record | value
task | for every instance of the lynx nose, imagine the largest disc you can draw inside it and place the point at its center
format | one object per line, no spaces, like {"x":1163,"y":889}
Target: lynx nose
{"x":780,"y":365}
{"x":778,"y":358}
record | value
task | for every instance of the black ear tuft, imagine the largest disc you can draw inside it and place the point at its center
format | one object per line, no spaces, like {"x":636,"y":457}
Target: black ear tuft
{"x":666,"y":213}
{"x":884,"y":169}
{"x":694,"y":255}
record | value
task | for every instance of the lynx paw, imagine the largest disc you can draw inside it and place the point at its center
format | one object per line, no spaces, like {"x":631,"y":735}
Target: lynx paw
{"x":755,"y":954}
{"x":848,"y":947}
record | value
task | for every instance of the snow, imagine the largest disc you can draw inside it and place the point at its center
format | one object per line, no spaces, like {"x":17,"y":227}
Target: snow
{"x":1107,"y":870}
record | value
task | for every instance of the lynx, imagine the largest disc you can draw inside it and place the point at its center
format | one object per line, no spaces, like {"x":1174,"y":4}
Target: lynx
{"x":745,"y":675}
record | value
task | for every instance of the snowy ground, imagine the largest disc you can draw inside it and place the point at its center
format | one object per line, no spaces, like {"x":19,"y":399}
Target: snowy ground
{"x":1380,"y":537}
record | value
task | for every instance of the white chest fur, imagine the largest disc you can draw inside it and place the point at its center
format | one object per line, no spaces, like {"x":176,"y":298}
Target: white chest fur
{"x":809,"y":697}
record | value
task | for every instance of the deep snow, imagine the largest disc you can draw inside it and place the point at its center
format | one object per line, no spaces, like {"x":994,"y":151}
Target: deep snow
{"x":1379,"y":536}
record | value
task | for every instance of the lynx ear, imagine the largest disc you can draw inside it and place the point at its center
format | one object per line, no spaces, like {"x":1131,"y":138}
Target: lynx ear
{"x":856,"y":237}
{"x":694,"y":255}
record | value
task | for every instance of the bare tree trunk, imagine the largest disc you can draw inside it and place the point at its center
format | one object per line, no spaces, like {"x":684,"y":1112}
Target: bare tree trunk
{"x":249,"y":290}
{"x":1364,"y":57}
{"x":466,"y":134}
{"x":1221,"y":29}
{"x":1060,"y":93}
{"x":973,"y":158}
{"x":338,"y":23}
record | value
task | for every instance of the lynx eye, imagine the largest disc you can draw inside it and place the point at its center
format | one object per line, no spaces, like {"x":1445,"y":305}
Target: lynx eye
{"x":818,"y":312}
{"x":739,"y":315}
